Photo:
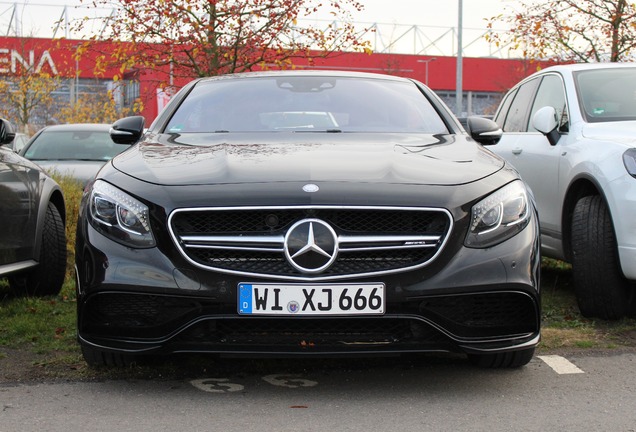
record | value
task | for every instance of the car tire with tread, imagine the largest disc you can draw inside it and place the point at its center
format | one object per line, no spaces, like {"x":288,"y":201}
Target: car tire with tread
{"x":48,"y":277}
{"x":600,"y":287}
{"x":509,"y":360}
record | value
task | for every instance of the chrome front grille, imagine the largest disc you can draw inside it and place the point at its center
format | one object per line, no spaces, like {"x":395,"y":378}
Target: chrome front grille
{"x":252,"y":241}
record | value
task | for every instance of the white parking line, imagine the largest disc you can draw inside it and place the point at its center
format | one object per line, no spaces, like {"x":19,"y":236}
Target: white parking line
{"x":560,"y":365}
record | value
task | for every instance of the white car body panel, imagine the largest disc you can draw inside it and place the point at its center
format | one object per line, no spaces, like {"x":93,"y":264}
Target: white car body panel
{"x":591,"y":151}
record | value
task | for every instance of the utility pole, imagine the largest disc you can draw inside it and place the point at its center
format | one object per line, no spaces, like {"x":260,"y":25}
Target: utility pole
{"x":458,"y":88}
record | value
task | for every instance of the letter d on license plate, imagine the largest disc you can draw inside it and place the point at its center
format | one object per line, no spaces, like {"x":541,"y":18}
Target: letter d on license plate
{"x":298,"y":299}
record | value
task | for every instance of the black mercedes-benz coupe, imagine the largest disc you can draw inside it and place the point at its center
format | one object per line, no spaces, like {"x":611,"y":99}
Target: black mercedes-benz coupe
{"x":307,"y":213}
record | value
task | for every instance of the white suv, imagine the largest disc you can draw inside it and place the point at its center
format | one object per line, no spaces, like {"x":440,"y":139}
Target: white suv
{"x":571,"y":132}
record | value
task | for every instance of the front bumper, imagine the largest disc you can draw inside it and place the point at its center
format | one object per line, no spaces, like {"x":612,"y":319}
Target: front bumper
{"x":154,"y":302}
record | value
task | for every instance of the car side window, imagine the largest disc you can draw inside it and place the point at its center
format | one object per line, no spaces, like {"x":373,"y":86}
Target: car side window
{"x":551,"y":93}
{"x":500,"y":116}
{"x":518,"y":115}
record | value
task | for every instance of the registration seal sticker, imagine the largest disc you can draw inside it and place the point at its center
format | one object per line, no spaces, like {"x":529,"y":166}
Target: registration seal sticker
{"x":293,"y":307}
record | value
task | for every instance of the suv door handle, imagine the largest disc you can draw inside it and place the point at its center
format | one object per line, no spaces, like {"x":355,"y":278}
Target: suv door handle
{"x":517,"y":151}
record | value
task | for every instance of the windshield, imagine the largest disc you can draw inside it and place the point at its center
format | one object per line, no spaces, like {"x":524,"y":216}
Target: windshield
{"x":73,"y":145}
{"x":607,"y":94}
{"x":305,"y":104}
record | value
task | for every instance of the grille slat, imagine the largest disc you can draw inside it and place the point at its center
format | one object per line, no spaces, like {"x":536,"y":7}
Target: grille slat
{"x":250,"y":241}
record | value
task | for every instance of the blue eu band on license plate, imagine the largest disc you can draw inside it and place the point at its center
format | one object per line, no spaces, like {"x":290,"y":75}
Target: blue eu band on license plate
{"x":299,"y":299}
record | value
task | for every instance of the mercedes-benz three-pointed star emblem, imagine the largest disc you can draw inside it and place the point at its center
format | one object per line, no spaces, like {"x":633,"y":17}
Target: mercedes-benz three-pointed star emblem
{"x":311,"y":245}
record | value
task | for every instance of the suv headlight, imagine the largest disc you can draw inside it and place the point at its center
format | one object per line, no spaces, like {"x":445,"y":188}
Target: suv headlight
{"x":119,"y":216}
{"x":629,"y":159}
{"x":499,"y":216}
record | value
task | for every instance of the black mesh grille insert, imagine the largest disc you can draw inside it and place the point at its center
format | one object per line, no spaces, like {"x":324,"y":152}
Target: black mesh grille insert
{"x":275,"y":263}
{"x":472,"y":314}
{"x":137,"y":314}
{"x":259,"y":334}
{"x":273,"y":220}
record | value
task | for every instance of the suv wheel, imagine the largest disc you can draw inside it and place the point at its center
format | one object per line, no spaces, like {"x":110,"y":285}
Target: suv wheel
{"x":600,"y":287}
{"x":48,"y":277}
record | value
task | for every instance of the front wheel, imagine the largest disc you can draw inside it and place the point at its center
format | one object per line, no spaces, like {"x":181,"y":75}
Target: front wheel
{"x":508,"y":360}
{"x":600,"y":287}
{"x":48,"y":277}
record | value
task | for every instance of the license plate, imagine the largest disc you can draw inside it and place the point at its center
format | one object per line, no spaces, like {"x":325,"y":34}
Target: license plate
{"x":299,"y":299}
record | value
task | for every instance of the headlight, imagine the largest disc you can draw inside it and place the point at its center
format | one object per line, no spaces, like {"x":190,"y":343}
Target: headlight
{"x":119,"y":216}
{"x":629,"y":159}
{"x":499,"y":216}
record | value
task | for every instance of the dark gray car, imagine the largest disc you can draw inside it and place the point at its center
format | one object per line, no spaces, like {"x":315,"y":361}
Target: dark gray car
{"x":32,"y":217}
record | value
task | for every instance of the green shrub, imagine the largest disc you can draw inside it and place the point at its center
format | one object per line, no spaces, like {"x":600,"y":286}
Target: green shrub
{"x":72,"y":190}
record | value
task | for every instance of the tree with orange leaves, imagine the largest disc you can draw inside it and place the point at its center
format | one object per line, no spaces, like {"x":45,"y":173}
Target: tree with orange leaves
{"x":194,"y":38}
{"x":26,"y":88}
{"x":569,"y":30}
{"x":26,"y":97}
{"x":93,"y":108}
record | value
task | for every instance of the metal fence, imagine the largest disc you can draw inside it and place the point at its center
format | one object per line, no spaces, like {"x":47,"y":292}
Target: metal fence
{"x":57,"y":21}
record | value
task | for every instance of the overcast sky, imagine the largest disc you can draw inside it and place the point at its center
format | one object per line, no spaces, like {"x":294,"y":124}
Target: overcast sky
{"x":408,"y":12}
{"x":433,"y":12}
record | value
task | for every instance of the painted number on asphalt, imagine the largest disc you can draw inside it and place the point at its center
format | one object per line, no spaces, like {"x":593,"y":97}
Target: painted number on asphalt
{"x":289,"y":381}
{"x":216,"y":385}
{"x":222,"y":385}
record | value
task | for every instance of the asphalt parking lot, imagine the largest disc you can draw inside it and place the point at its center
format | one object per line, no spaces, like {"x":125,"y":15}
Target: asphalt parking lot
{"x":437,"y":392}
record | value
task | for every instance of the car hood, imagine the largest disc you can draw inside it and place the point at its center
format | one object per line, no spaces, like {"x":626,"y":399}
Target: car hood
{"x":78,"y":169}
{"x":203,"y":159}
{"x":623,"y":132}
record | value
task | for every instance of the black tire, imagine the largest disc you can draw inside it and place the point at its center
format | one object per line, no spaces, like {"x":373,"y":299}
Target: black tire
{"x":601,"y":289}
{"x":97,"y":358}
{"x":48,"y":277}
{"x":508,"y":360}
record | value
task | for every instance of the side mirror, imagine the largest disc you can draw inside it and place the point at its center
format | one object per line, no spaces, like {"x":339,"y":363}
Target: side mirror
{"x":546,"y":121}
{"x":7,"y":133}
{"x":127,"y":130}
{"x":483,"y":130}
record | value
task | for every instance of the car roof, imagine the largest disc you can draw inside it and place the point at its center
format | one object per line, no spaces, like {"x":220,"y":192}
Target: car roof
{"x":567,"y":69}
{"x":307,"y":73}
{"x":585,"y":66}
